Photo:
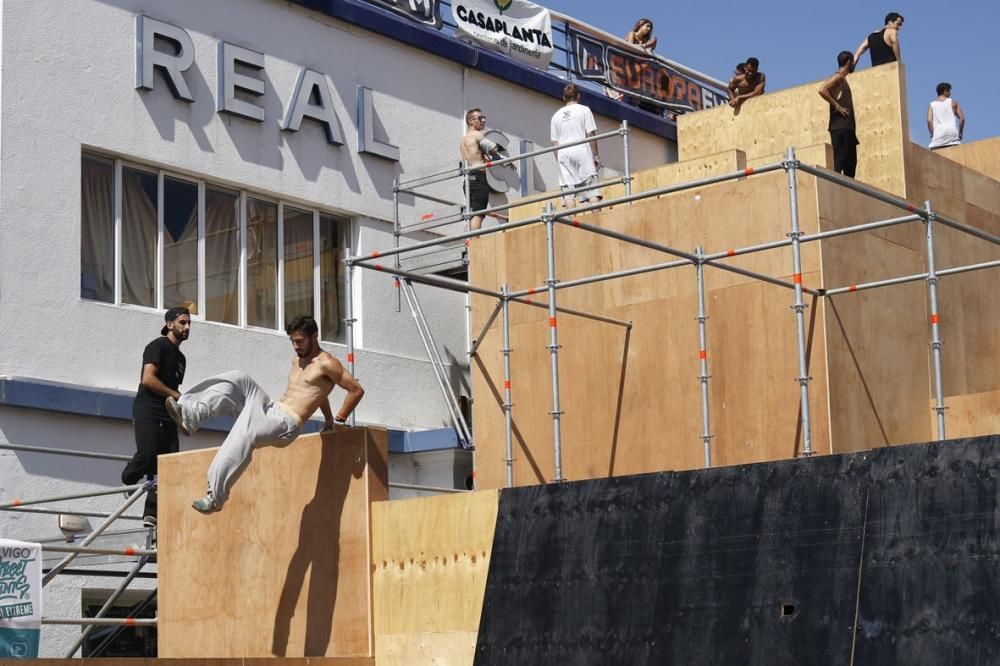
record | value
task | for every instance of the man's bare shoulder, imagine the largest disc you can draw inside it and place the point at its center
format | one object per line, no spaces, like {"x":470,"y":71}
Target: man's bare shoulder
{"x":329,"y":363}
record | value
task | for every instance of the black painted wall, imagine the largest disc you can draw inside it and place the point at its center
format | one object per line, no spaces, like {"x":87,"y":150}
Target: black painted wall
{"x":883,"y":557}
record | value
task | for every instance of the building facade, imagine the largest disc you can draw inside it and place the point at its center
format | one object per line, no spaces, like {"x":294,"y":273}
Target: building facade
{"x":226,"y":155}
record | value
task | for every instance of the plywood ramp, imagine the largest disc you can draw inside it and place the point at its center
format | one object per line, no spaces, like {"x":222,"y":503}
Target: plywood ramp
{"x":432,"y":556}
{"x":798,"y":117}
{"x":284,"y":569}
{"x":729,"y":161}
{"x":632,"y":401}
{"x":982,"y":156}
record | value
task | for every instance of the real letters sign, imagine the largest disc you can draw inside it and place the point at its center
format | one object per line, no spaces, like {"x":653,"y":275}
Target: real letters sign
{"x":20,"y":599}
{"x":517,"y":28}
{"x":640,"y":76}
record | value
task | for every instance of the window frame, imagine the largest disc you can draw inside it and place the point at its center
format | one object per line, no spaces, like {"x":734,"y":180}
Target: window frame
{"x":344,"y":226}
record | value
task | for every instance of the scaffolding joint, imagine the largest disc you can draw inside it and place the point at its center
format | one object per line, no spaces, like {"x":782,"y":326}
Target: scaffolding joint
{"x":790,"y":164}
{"x":553,"y":347}
{"x":936,"y":345}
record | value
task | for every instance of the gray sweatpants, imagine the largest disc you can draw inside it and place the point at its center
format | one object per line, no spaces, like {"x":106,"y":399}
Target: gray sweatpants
{"x":259,"y":422}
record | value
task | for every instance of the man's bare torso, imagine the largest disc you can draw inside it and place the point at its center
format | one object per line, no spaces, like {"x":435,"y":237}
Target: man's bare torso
{"x":471,"y":152}
{"x":309,"y":384}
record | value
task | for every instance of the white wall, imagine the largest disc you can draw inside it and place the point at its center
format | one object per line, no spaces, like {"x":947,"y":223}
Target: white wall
{"x":67,"y":82}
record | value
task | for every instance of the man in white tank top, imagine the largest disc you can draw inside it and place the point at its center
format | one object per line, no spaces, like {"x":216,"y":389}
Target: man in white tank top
{"x":945,"y":120}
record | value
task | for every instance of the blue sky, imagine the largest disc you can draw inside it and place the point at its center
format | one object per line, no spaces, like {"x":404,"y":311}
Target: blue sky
{"x":797,"y":42}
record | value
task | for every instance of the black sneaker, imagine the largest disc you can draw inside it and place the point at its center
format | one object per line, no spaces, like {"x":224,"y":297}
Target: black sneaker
{"x":149,"y":521}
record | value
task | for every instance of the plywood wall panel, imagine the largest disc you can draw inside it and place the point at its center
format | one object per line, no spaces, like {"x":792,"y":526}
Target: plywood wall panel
{"x":431,"y":558}
{"x":283,"y":570}
{"x":798,"y":117}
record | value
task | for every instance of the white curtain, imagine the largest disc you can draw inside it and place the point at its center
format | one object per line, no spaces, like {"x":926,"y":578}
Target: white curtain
{"x":180,"y":244}
{"x":222,"y":255}
{"x":97,"y":229}
{"x":262,"y":263}
{"x":139,"y":237}
{"x":298,"y":263}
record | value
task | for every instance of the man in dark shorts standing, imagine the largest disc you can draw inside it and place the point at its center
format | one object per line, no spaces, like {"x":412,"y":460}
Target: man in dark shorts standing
{"x":155,"y":433}
{"x":476,"y":149}
{"x":837,"y":93}
{"x":884,"y":43}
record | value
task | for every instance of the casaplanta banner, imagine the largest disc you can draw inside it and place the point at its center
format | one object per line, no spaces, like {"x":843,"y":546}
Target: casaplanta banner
{"x":516,"y":28}
{"x":642,"y":77}
{"x":20,"y":599}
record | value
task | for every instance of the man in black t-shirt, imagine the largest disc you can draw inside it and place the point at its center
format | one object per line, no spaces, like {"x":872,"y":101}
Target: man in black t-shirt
{"x":155,"y":433}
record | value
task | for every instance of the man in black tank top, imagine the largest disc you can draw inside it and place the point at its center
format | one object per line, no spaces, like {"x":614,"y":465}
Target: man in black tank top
{"x":837,"y":93}
{"x":884,"y":43}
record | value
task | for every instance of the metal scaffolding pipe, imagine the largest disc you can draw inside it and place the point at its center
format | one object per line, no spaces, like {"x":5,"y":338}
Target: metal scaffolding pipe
{"x":108,"y":604}
{"x":422,"y":181}
{"x":807,"y":238}
{"x":429,"y":197}
{"x":690,"y":258}
{"x":83,"y":550}
{"x":606,"y":276}
{"x":969,"y":267}
{"x":54,"y":571}
{"x":60,"y":512}
{"x":660,"y":191}
{"x":495,"y":211}
{"x":552,"y":149}
{"x":628,"y":162}
{"x":349,"y":319}
{"x":437,"y":364}
{"x":702,"y":319}
{"x":972,"y":231}
{"x":59,"y":498}
{"x":508,"y":405}
{"x":799,"y":306}
{"x":553,"y":340}
{"x":459,"y":285}
{"x":453,"y":218}
{"x":104,"y":621}
{"x":478,"y":340}
{"x":935,"y":320}
{"x":852,"y":184}
{"x":911,"y":278}
{"x":65,"y":452}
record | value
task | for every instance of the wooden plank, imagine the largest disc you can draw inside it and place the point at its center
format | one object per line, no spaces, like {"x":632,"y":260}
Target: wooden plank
{"x":982,"y":156}
{"x":674,"y":173}
{"x":611,"y":427}
{"x":798,"y":117}
{"x":970,"y":415}
{"x":431,"y":559}
{"x":283,"y":570}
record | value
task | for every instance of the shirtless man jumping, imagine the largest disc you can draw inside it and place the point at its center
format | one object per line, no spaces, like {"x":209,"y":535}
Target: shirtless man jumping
{"x":476,"y":149}
{"x":259,"y":421}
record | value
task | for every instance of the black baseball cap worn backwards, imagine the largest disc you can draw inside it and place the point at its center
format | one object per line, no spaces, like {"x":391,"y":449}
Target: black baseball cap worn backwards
{"x":171,"y":314}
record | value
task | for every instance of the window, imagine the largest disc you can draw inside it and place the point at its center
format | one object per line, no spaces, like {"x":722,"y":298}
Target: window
{"x":298,"y":263}
{"x":262,"y":264}
{"x":222,"y":255}
{"x":97,"y":229}
{"x":180,"y":244}
{"x":139,"y":203}
{"x":156,"y":239}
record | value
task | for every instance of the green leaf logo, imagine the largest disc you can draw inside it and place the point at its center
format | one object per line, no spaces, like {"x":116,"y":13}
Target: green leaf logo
{"x":503,"y":5}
